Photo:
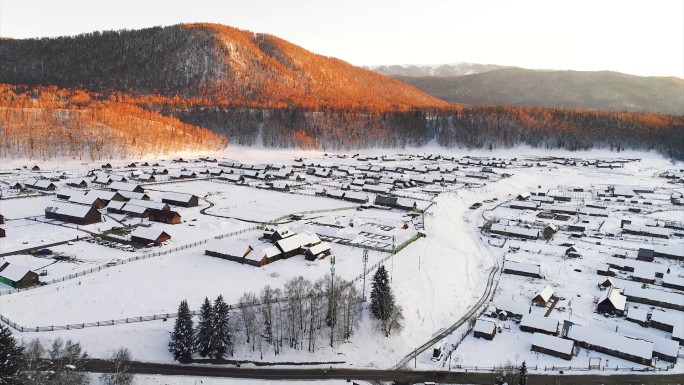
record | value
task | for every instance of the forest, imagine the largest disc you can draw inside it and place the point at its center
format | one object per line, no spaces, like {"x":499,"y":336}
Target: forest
{"x":44,"y":123}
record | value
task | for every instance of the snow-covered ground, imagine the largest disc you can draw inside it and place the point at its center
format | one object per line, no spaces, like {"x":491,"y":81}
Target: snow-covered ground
{"x":436,"y":279}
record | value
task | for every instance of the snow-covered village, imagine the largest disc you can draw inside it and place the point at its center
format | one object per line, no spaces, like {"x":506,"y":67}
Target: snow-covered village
{"x":268,"y":192}
{"x":565,"y":263}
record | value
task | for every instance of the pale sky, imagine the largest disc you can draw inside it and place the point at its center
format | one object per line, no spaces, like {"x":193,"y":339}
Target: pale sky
{"x":637,"y":37}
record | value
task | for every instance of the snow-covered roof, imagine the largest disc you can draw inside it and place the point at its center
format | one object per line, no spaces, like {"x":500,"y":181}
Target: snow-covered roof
{"x":123,"y":186}
{"x":655,"y":295}
{"x":147,"y":232}
{"x":69,"y":209}
{"x":633,"y":263}
{"x":104,"y":195}
{"x":83,"y":199}
{"x":231,"y":247}
{"x":673,"y":280}
{"x":116,"y":205}
{"x":134,"y":209}
{"x":510,"y":306}
{"x":623,"y":190}
{"x":525,"y":204}
{"x":661,"y":345}
{"x":537,"y":198}
{"x":546,"y":293}
{"x":671,"y":249}
{"x":637,"y":314}
{"x":618,"y":300}
{"x":271,"y":251}
{"x":593,"y":211}
{"x":176,"y":196}
{"x":131,"y":194}
{"x":497,"y":227}
{"x":678,"y":331}
{"x":335,"y":193}
{"x":522,"y":267}
{"x":540,"y":322}
{"x":43,"y":183}
{"x":356,"y":195}
{"x":148,"y":204}
{"x":647,"y":229}
{"x":484,"y":326}
{"x":284,"y":232}
{"x":320,"y":248}
{"x":612,"y":341}
{"x":643,"y":274}
{"x":68,"y":192}
{"x":14,"y":272}
{"x":552,"y":343}
{"x":297,"y":241}
{"x":671,"y":318}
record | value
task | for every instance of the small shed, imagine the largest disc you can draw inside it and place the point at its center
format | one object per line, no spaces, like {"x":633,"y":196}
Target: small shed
{"x":543,"y":297}
{"x":646,"y":255}
{"x":2,"y":219}
{"x":315,"y":252}
{"x":17,"y":276}
{"x":2,"y":233}
{"x":484,"y":329}
{"x":147,"y":235}
{"x":549,"y":231}
{"x":612,"y":302}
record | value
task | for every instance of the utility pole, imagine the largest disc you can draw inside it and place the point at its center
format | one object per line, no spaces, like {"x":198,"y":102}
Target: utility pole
{"x":394,"y":250}
{"x":332,"y":298}
{"x":365,"y":262}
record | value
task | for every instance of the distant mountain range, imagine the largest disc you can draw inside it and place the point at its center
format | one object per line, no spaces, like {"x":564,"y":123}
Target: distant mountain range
{"x":439,"y":70}
{"x":484,"y":84}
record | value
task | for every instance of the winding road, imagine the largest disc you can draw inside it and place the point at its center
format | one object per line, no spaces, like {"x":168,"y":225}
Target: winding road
{"x":446,"y":332}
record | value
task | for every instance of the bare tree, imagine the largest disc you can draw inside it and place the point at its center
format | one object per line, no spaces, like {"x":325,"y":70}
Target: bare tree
{"x":36,"y":369}
{"x":121,"y":368}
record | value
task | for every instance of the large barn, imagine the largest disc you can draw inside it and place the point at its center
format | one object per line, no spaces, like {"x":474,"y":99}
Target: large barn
{"x":73,"y":213}
{"x":180,"y":199}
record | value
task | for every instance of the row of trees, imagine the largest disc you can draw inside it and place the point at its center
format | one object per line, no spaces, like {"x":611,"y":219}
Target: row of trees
{"x":61,"y":364}
{"x":468,"y":127}
{"x":300,"y":316}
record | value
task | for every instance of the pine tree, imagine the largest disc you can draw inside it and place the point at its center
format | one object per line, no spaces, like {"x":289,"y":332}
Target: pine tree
{"x":11,"y":357}
{"x":523,"y":374}
{"x":181,"y":344}
{"x":388,"y":315}
{"x":221,"y":334}
{"x":203,"y":335}
{"x":381,"y":295}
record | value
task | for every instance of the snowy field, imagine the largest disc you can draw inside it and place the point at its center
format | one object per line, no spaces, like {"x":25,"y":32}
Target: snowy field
{"x":436,"y":279}
{"x":23,"y":234}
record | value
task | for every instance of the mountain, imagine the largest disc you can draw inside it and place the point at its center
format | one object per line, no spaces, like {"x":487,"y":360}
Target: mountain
{"x":208,"y":61}
{"x":195,"y":87}
{"x":604,"y":90}
{"x":439,"y":70}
